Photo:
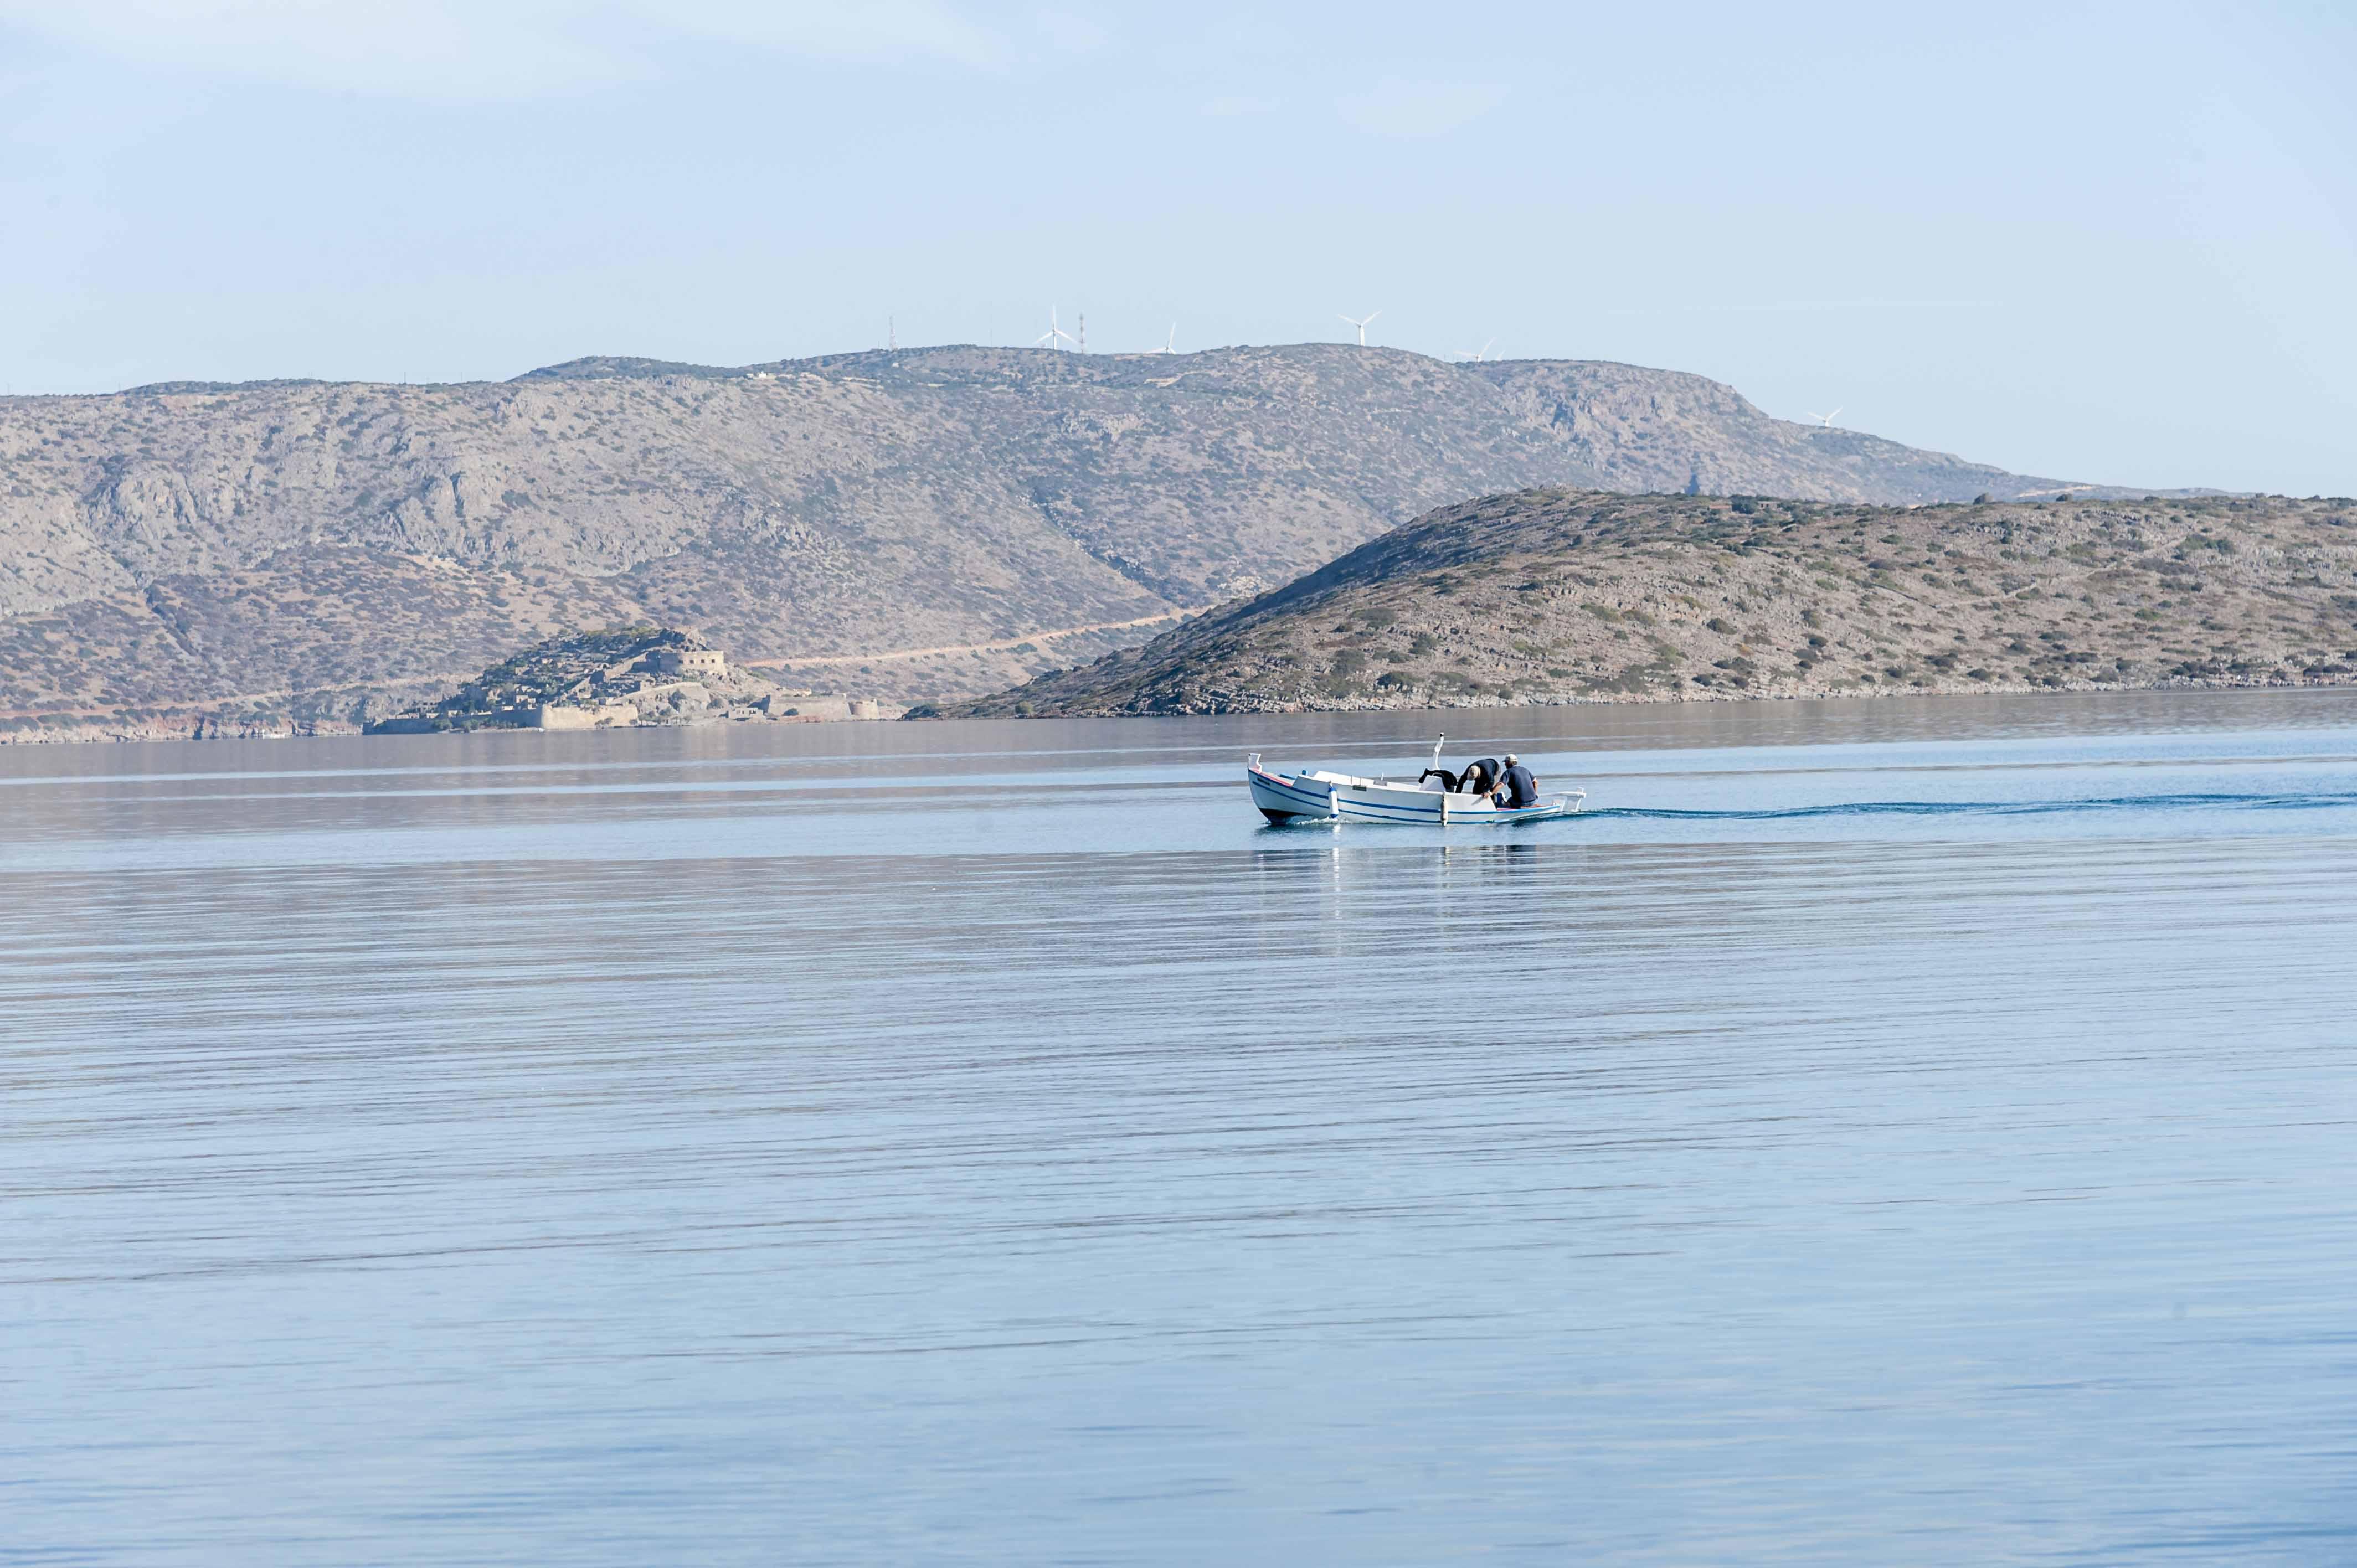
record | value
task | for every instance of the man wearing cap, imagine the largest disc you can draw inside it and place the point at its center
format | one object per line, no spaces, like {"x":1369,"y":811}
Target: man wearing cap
{"x":1516,"y":786}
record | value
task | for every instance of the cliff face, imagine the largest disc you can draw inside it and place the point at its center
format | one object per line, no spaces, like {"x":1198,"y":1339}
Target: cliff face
{"x":315,"y":548}
{"x":1555,"y":595}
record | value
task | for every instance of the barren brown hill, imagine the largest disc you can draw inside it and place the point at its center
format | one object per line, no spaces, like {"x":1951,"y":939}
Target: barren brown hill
{"x":1568,"y":596}
{"x":324,"y":549}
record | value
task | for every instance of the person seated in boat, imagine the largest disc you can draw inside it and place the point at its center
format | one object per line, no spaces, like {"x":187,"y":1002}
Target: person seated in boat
{"x":1515,"y":787}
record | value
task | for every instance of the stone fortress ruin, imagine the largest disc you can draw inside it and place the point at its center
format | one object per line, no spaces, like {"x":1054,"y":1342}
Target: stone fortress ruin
{"x":644,"y":677}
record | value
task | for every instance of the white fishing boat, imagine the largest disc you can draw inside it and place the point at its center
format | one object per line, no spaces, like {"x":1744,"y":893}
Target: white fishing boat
{"x":1314,"y":794}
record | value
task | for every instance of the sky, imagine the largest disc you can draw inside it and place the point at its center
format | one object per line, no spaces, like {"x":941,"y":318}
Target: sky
{"x":2114,"y":243}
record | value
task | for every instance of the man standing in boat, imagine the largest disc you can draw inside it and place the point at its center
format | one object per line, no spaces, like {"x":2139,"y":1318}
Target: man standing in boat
{"x":1516,"y":788}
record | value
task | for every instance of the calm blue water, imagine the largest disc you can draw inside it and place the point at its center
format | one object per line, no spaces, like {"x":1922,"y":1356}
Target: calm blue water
{"x":1900,"y":1131}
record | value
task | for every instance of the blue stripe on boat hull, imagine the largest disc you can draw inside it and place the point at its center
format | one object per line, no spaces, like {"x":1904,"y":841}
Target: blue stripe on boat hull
{"x":1283,"y":798}
{"x":1314,"y":805}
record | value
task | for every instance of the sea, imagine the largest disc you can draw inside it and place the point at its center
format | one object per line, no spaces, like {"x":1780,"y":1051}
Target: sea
{"x":1873,"y":1132}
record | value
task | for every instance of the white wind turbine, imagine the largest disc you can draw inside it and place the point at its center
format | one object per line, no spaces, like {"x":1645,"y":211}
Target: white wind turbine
{"x":1476,"y":355}
{"x":1048,"y":337}
{"x":1824,"y":421}
{"x":1361,"y":323}
{"x":1169,"y":344}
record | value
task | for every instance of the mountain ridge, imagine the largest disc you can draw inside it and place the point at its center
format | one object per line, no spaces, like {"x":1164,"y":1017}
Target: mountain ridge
{"x":179,"y":546}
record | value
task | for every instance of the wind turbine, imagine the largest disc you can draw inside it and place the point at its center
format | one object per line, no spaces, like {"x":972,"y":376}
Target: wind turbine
{"x":1824,"y":421}
{"x":1361,"y":323}
{"x":1476,"y":355}
{"x":1048,"y":337}
{"x":1169,"y":344}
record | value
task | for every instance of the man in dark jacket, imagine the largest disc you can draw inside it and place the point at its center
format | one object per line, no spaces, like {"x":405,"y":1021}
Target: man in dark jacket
{"x":1517,"y":788}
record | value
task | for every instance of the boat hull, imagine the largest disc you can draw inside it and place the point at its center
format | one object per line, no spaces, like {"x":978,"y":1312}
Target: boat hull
{"x":1309,"y":798}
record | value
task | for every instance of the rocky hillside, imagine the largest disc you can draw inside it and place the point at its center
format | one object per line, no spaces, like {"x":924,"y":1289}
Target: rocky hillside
{"x":1570,"y":595}
{"x":327,"y":551}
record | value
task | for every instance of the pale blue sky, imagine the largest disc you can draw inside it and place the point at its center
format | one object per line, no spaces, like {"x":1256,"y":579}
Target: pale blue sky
{"x":2109,"y":243}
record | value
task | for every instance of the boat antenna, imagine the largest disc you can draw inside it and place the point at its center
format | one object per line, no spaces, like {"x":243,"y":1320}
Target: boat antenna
{"x":1435,"y":749}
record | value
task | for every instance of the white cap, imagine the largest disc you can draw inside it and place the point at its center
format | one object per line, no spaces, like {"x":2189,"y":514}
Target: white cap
{"x":1512,"y":759}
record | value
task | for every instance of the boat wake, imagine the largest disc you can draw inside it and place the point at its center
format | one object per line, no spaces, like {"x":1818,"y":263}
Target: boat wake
{"x":2301,"y":802}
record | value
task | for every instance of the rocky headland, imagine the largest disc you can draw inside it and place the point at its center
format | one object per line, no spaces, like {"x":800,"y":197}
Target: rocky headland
{"x":1558,"y":595}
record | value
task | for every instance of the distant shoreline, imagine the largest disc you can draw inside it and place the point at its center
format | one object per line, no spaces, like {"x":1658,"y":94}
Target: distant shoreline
{"x":353,"y":732}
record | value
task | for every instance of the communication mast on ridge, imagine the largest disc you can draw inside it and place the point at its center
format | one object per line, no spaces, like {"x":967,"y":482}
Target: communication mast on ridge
{"x":1081,"y":343}
{"x":891,"y":337}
